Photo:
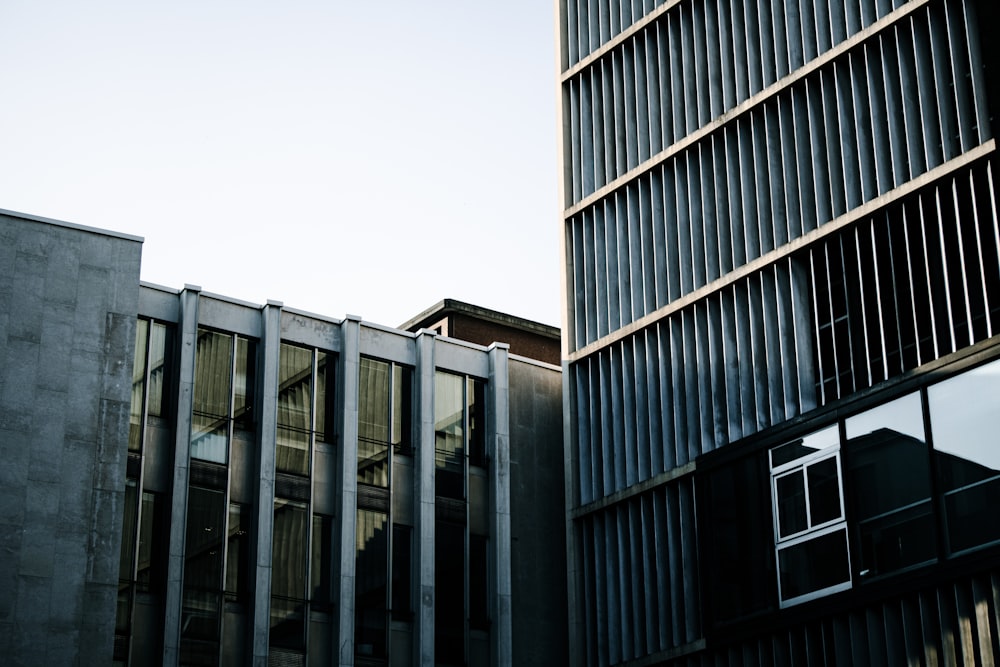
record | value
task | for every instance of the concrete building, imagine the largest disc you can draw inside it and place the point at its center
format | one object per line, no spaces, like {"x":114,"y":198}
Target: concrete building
{"x":205,"y":481}
{"x":782,"y":307}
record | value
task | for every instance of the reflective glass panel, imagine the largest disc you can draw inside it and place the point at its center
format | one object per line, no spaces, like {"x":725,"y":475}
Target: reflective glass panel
{"x":138,"y":386}
{"x":479,"y":616}
{"x":965,"y":423}
{"x":238,"y":553}
{"x":373,"y":422}
{"x":210,"y":419}
{"x":824,"y":491}
{"x":449,"y":589}
{"x":806,"y":446}
{"x":128,"y":530}
{"x":814,"y":565}
{"x":244,"y":383}
{"x":295,"y":388}
{"x":151,"y":565}
{"x":322,"y":560}
{"x":292,"y":451}
{"x":371,"y":572}
{"x":288,"y":552}
{"x":476,"y":392}
{"x":401,"y":606}
{"x":889,"y":486}
{"x":324,"y":396}
{"x":402,"y":407}
{"x":790,"y":490}
{"x":160,"y":368}
{"x":449,"y":435}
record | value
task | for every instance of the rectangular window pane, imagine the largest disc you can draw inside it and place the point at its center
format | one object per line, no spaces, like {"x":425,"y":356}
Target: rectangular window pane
{"x":370,"y":584}
{"x":138,"y":386}
{"x":476,"y":392}
{"x":402,"y":608}
{"x":402,"y":407}
{"x":965,"y":420}
{"x":373,"y":423}
{"x":295,"y":388}
{"x":244,"y":383}
{"x":791,"y":500}
{"x":324,"y":396}
{"x":814,"y":565}
{"x":824,"y":491}
{"x":128,"y":530}
{"x":449,"y":435}
{"x":288,"y":551}
{"x":151,"y":566}
{"x":322,"y":560}
{"x":238,"y":553}
{"x":479,"y":617}
{"x":210,"y":419}
{"x":449,"y":593}
{"x":202,"y":576}
{"x":161,"y":370}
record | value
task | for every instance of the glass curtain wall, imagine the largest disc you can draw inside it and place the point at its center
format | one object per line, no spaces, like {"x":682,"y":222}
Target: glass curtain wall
{"x":460,"y":557}
{"x":384,"y":427}
{"x":302,"y":539}
{"x":142,"y":568}
{"x":216,"y":552}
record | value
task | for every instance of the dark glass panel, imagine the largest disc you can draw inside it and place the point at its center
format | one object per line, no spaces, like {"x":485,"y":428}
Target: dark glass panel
{"x":402,"y":407}
{"x":161,"y":370}
{"x":238,"y":553}
{"x":288,"y":553}
{"x":244,"y":383}
{"x":889,"y":486}
{"x":153,"y":537}
{"x":740,"y":543}
{"x":814,"y":565}
{"x":370,"y":584}
{"x":288,"y":627}
{"x":449,"y":593}
{"x":204,"y":543}
{"x":292,"y":454}
{"x":200,"y":627}
{"x":325,"y":377}
{"x":322,"y":561}
{"x":129,"y":519}
{"x":824,"y":491}
{"x":810,"y":444}
{"x":373,"y":423}
{"x":476,"y":392}
{"x":449,"y":435}
{"x":123,"y":610}
{"x":791,"y":500}
{"x":402,"y":607}
{"x":209,"y":438}
{"x":479,"y":615}
{"x":138,"y":386}
{"x":965,"y":421}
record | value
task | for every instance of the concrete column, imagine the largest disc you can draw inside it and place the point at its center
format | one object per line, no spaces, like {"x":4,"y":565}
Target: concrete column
{"x":174,"y":599}
{"x":498,"y":452}
{"x":574,"y":599}
{"x":423,"y":502}
{"x":267,"y":409}
{"x":347,"y":499}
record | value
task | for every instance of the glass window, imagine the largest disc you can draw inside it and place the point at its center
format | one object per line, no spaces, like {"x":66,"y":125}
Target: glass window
{"x":288,"y":574}
{"x":244,"y":381}
{"x":151,"y":565}
{"x":888,"y":469}
{"x":238,"y":553}
{"x":402,"y":607}
{"x":138,"y":386}
{"x":212,"y":395}
{"x":161,"y":339}
{"x":449,"y":435}
{"x":402,"y":407}
{"x":479,"y":617}
{"x":322,"y":560}
{"x":370,"y":584}
{"x":324,"y":396}
{"x":449,"y":593}
{"x":203,"y":551}
{"x":811,"y":545}
{"x":476,"y":392}
{"x":294,"y":409}
{"x":373,"y":422}
{"x":965,"y":421}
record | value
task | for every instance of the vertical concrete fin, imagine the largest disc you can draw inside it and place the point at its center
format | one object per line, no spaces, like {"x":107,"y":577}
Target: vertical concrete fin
{"x":423,"y":500}
{"x":498,"y":452}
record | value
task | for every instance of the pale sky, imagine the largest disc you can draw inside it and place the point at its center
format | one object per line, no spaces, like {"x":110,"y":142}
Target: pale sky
{"x":341,"y":157}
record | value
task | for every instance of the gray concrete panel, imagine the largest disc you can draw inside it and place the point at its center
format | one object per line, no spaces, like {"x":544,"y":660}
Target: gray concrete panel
{"x":498,"y":452}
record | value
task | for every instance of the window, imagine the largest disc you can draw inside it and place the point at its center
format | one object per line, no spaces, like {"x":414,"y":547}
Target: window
{"x":305,"y":395}
{"x":809,"y":525}
{"x":223,"y":393}
{"x":965,"y":421}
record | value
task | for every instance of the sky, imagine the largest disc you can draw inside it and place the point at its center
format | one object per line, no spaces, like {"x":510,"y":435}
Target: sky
{"x":340,"y":157}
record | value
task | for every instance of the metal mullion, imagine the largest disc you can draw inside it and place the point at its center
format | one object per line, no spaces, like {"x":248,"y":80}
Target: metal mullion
{"x":657,"y":233}
{"x":877,"y":117}
{"x":789,"y":163}
{"x":780,"y":13}
{"x":879,"y":307}
{"x":646,"y":248}
{"x":735,"y":199}
{"x":641,"y":91}
{"x":640,"y":403}
{"x":701,"y":65}
{"x":930,"y":291}
{"x":652,"y":89}
{"x":587,"y":151}
{"x":725,"y":43}
{"x":677,"y":77}
{"x":891,"y":78}
{"x":974,"y":53}
{"x":740,"y":61}
{"x":730,"y":358}
{"x":631,"y":125}
{"x":723,"y":229}
{"x":964,"y":273}
{"x":806,"y":191}
{"x":945,"y":274}
{"x":817,"y":327}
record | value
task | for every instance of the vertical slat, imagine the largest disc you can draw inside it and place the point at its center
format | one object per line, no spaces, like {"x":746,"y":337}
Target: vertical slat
{"x":607,"y":427}
{"x":706,"y":410}
{"x":597,"y":426}
{"x":700,"y":83}
{"x":574,"y":140}
{"x":725,"y":43}
{"x":587,"y":162}
{"x":624,"y":260}
{"x":744,"y":340}
{"x":751,"y":26}
{"x":680,"y":395}
{"x":631,"y":126}
{"x":734,"y":192}
{"x":928,"y":119}
{"x":633,"y":473}
{"x":789,"y":164}
{"x":849,"y":135}
{"x":741,"y":67}
{"x":892,"y":114}
{"x":781,"y":15}
{"x":651,"y":83}
{"x":621,"y":128}
{"x":944,"y":83}
{"x":657,"y":241}
{"x":692,"y":377}
{"x":748,"y":186}
{"x":635,"y":265}
{"x":731,"y":363}
{"x":665,"y":608}
{"x":832,"y":144}
{"x":765,"y":26}
{"x":677,"y":77}
{"x":583,"y":433}
{"x":676,"y":566}
{"x":617,"y":415}
{"x":642,"y":110}
{"x":717,"y":372}
{"x":721,"y":213}
{"x":772,"y":345}
{"x":640,"y":405}
{"x":650,"y":611}
{"x":620,"y":512}
{"x":688,"y":67}
{"x":764,"y":221}
{"x":653,"y":414}
{"x":608,"y":120}
{"x":974,"y":53}
{"x":696,"y":216}
{"x":598,"y":136}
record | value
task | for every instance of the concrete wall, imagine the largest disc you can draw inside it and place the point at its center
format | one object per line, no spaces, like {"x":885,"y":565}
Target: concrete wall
{"x":538,"y":515}
{"x":68,"y":299}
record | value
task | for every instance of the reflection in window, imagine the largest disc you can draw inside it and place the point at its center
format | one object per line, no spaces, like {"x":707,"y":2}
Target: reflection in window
{"x":479,"y":617}
{"x":811,"y":544}
{"x":370,"y":584}
{"x":449,"y":435}
{"x":138,"y":385}
{"x":373,"y":423}
{"x":153,"y":342}
{"x":238,"y":553}
{"x":476,"y":393}
{"x":322,"y":561}
{"x":889,"y":474}
{"x":402,"y":607}
{"x":223,"y":389}
{"x":288,"y":574}
{"x":302,"y":415}
{"x":965,"y":421}
{"x":203,"y":551}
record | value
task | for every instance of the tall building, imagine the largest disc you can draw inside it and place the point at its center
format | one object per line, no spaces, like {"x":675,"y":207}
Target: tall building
{"x":781,"y":351}
{"x":190,"y":479}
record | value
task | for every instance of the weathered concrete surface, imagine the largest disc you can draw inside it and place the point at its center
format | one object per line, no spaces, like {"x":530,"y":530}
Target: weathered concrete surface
{"x":68,"y":300}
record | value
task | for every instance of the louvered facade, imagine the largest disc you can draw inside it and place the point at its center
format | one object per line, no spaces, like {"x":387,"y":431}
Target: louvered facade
{"x":782,"y":251}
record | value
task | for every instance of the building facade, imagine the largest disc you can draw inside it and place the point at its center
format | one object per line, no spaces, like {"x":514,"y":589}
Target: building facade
{"x":196,"y":480}
{"x":782,"y":289}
